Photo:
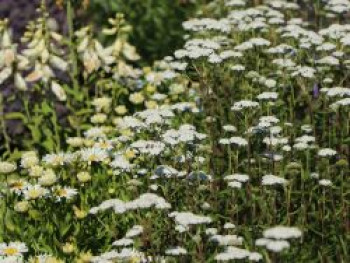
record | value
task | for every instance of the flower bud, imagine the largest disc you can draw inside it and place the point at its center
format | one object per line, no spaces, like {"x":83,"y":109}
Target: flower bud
{"x":48,"y":178}
{"x":20,"y":82}
{"x":84,"y":177}
{"x":68,"y":248}
{"x":22,"y":207}
{"x":7,"y":167}
{"x":58,"y":91}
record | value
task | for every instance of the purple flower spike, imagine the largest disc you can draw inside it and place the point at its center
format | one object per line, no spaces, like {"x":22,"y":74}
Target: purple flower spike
{"x":315,"y":91}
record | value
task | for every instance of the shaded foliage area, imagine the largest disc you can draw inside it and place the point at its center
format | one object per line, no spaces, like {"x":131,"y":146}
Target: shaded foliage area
{"x":157,"y":24}
{"x":19,"y":12}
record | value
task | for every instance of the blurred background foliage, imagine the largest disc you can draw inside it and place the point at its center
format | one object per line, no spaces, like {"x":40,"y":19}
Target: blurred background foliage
{"x":157,"y":24}
{"x":157,"y":29}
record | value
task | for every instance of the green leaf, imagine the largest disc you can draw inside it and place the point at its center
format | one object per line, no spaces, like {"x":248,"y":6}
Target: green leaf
{"x":35,"y":214}
{"x":15,"y":116}
{"x":46,"y":108}
{"x":36,"y":134}
{"x":9,"y":222}
{"x":48,"y":143}
{"x":64,"y":229}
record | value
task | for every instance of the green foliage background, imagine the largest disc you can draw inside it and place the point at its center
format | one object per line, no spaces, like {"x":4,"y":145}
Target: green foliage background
{"x":157,"y":24}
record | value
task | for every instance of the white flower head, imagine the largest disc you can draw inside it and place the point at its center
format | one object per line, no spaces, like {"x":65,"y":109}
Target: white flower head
{"x":273,"y":180}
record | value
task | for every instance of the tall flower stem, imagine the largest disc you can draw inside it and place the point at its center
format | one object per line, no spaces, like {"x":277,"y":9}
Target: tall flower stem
{"x":72,"y":52}
{"x":229,"y":159}
{"x":3,"y":125}
{"x":5,"y":208}
{"x":287,"y":191}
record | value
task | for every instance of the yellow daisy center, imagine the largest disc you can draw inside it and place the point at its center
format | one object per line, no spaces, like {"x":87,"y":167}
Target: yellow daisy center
{"x":62,"y":192}
{"x":10,"y":251}
{"x":92,"y":157}
{"x":34,"y":193}
{"x":17,"y":185}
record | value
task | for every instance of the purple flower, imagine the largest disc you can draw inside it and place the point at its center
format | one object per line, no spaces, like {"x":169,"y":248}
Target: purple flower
{"x":315,"y":91}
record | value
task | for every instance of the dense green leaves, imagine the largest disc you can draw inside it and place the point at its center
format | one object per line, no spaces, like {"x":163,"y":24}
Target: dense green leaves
{"x":157,"y":25}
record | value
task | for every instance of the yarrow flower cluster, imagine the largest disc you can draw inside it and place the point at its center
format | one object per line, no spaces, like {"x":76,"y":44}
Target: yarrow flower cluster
{"x":275,"y":239}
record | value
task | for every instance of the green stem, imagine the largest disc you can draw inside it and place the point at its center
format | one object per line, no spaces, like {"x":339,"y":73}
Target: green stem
{"x":5,"y":208}
{"x":229,"y":159}
{"x":3,"y":126}
{"x":72,"y":51}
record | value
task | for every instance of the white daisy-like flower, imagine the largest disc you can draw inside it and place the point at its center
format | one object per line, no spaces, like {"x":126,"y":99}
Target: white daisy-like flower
{"x":93,"y":154}
{"x":104,"y":144}
{"x":95,"y":132}
{"x":64,"y":193}
{"x":32,"y":192}
{"x":17,"y":186}
{"x":13,"y":249}
{"x":55,"y":159}
{"x":122,"y":163}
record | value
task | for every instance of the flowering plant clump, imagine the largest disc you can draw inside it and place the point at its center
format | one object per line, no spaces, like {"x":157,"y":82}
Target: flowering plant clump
{"x":234,"y":148}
